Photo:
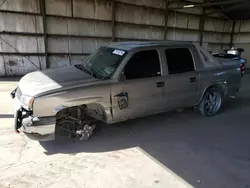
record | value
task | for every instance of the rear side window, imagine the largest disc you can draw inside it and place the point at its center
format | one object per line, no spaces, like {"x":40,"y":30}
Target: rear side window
{"x":143,"y":64}
{"x":179,"y":60}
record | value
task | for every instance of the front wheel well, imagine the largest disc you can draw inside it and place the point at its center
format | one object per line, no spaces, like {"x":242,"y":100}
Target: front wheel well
{"x":93,"y":110}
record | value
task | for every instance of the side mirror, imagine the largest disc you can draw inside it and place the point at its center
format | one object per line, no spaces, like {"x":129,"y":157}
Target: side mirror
{"x":13,"y":93}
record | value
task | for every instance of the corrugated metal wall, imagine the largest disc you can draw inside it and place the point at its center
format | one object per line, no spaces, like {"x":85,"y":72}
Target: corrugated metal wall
{"x":75,"y":28}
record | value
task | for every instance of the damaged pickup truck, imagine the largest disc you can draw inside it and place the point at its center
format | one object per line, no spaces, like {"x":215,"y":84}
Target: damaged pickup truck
{"x":122,"y":81}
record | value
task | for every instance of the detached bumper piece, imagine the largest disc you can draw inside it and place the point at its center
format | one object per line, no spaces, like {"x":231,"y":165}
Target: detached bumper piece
{"x":42,"y":128}
{"x":17,"y":120}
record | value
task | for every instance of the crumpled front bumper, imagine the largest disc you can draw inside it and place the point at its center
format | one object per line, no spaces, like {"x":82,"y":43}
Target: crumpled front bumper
{"x":36,"y":128}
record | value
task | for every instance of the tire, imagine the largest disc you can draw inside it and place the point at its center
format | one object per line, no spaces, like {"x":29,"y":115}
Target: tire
{"x":211,"y":102}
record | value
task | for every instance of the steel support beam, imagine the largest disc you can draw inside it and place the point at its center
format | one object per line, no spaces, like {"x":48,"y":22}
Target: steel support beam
{"x":72,"y":8}
{"x":236,"y":6}
{"x":43,"y":14}
{"x":20,"y":12}
{"x":113,"y":19}
{"x":25,"y":54}
{"x":201,"y":26}
{"x":166,"y":19}
{"x":41,"y":54}
{"x":210,"y":4}
{"x":21,"y":33}
{"x":232,"y":34}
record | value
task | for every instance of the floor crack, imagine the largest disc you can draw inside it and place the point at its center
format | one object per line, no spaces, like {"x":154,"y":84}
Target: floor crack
{"x":19,"y":157}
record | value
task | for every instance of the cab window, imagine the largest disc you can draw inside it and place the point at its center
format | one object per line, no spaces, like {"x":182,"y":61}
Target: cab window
{"x":179,"y":60}
{"x":143,"y":64}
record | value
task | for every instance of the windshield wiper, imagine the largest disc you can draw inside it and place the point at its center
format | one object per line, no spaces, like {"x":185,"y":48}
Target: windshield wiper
{"x":96,"y":75}
{"x":89,"y":71}
{"x":85,"y":69}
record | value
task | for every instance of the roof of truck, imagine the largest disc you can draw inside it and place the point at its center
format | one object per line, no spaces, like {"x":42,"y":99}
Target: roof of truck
{"x":136,"y":44}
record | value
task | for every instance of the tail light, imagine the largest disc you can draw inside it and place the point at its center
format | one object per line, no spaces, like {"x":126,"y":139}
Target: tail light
{"x":242,"y":68}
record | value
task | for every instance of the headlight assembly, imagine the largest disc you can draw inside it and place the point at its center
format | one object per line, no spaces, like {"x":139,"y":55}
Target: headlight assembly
{"x":27,"y":101}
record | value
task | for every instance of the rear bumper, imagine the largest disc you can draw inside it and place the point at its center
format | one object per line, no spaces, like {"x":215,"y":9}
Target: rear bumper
{"x":36,"y":128}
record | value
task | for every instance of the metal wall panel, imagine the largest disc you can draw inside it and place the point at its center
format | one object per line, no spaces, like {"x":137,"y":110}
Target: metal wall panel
{"x":176,"y":19}
{"x":19,"y":65}
{"x":89,"y":28}
{"x":214,"y":24}
{"x":96,"y":9}
{"x":245,"y":26}
{"x":22,"y":5}
{"x":75,"y":45}
{"x":139,"y":15}
{"x":58,"y":45}
{"x":59,"y":7}
{"x":183,"y":35}
{"x":193,"y":22}
{"x":213,"y":37}
{"x":59,"y":61}
{"x":20,"y":23}
{"x":138,"y":32}
{"x":57,"y":25}
{"x":27,"y":44}
{"x":242,"y":38}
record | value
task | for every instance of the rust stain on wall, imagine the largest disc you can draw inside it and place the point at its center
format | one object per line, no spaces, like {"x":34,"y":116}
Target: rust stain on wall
{"x":12,"y":63}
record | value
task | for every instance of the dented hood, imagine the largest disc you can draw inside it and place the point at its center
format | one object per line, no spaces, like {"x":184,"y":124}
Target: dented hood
{"x":53,"y":80}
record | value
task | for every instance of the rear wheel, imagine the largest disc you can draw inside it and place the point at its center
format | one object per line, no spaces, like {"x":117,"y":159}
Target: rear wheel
{"x":211,"y":102}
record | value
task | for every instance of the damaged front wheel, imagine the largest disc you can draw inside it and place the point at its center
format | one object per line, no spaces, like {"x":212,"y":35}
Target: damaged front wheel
{"x":82,"y":130}
{"x":86,"y":132}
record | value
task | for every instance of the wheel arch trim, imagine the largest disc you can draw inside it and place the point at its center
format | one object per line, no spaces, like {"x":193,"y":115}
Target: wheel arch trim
{"x":221,"y":85}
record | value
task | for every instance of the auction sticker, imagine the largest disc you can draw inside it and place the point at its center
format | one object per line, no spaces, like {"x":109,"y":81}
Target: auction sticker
{"x":118,"y":52}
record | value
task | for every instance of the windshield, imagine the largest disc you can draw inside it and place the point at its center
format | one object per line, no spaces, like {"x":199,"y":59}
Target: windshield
{"x":103,"y":63}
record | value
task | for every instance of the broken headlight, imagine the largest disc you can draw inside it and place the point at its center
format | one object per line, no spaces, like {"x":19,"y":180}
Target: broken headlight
{"x":27,"y":101}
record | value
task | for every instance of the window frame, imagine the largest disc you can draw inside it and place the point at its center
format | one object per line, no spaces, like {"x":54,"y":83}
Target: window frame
{"x":204,"y":56}
{"x":131,"y":54}
{"x":86,"y":60}
{"x":178,"y":47}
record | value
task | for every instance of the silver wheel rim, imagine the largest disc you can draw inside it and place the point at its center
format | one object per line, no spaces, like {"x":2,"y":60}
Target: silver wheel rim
{"x":212,"y":102}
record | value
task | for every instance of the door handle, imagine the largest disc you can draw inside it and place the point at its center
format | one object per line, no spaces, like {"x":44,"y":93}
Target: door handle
{"x":192,"y":79}
{"x":160,"y":84}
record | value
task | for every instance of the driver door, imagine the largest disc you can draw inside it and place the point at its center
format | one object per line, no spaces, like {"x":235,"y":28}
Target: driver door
{"x":141,"y":90}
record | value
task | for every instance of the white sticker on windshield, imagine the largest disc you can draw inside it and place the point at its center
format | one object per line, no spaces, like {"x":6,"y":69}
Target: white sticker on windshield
{"x":118,"y":52}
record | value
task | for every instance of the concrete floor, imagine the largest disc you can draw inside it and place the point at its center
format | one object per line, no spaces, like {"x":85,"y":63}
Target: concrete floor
{"x":167,"y":150}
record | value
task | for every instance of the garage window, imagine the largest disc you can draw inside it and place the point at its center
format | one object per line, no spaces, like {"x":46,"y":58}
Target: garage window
{"x":179,"y":60}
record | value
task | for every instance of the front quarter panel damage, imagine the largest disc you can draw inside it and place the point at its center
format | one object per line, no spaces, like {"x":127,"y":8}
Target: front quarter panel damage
{"x":95,"y":98}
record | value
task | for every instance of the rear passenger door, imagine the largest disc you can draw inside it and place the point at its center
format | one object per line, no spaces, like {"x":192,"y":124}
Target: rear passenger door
{"x":182,"y":79}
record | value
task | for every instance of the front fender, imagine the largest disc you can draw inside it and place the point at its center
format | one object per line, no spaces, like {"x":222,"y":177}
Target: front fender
{"x":50,"y":105}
